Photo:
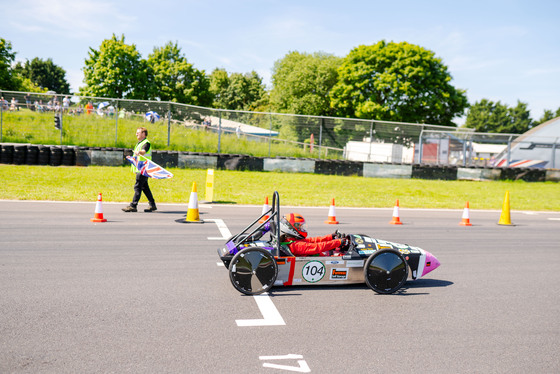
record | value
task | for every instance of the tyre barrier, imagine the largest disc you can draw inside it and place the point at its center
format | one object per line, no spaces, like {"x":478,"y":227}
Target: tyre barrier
{"x":56,"y":156}
{"x":20,"y":153}
{"x":68,"y":156}
{"x":83,"y":156}
{"x":7,"y":154}
{"x":32,"y":157}
{"x":44,"y":155}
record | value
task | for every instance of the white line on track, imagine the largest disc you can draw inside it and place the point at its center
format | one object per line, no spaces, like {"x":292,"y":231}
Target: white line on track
{"x":271,"y":316}
{"x":226,"y":234}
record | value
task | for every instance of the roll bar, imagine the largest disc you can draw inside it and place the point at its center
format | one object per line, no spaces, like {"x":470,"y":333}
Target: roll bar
{"x":274,"y":216}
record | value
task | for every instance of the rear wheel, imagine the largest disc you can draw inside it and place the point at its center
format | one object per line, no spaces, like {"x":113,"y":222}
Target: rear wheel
{"x":386,"y":271}
{"x":253,"y":271}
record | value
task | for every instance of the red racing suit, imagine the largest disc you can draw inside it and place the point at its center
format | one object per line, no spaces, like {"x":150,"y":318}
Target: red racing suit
{"x":313,"y":246}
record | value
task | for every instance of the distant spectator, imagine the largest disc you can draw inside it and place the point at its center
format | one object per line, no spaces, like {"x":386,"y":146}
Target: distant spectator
{"x":89,"y":107}
{"x":206,"y":124}
{"x":28,"y":101}
{"x":238,"y":131}
{"x":13,"y":105}
{"x":65,"y":103}
{"x":4,"y":103}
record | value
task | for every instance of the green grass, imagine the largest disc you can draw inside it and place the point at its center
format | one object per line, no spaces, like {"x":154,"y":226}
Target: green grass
{"x":22,"y":182}
{"x":92,"y":130}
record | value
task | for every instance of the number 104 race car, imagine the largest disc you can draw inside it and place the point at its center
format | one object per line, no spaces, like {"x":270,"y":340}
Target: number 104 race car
{"x":256,"y":265}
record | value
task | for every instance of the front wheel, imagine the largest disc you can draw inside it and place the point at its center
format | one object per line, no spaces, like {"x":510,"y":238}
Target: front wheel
{"x":386,"y":271}
{"x":253,"y":271}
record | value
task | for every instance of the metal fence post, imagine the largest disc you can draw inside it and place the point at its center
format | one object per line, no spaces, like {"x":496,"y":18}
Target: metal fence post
{"x":554,"y":153}
{"x":116,"y":123}
{"x":219,"y":131}
{"x":168,"y":124}
{"x":321,"y":121}
{"x":370,"y":140}
{"x":420,"y":145}
{"x":509,"y":151}
{"x":61,"y":112}
{"x":270,"y":135}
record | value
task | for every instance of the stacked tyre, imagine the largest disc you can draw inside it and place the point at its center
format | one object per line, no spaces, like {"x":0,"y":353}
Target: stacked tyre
{"x":7,"y":154}
{"x":68,"y":156}
{"x":32,"y":157}
{"x":20,"y":153}
{"x":56,"y":156}
{"x":44,"y":155}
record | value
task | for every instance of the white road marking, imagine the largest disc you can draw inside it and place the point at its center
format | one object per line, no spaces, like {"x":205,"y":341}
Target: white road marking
{"x":554,"y":219}
{"x":302,"y":368}
{"x":271,"y":316}
{"x":226,"y":234}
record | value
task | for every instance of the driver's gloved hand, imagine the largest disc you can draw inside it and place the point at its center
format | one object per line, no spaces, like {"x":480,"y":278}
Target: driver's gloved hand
{"x":344,"y":243}
{"x":338,"y":235}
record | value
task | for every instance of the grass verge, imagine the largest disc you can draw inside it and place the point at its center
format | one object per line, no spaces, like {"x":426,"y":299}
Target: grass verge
{"x":23,"y":182}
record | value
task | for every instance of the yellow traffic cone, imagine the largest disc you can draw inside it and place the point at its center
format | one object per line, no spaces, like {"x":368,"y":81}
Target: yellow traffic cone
{"x":505,"y":218}
{"x":192,"y":213}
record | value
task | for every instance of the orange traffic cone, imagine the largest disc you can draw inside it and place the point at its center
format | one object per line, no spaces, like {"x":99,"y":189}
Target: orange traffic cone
{"x":331,"y":220}
{"x":264,"y":210}
{"x":396,"y":220}
{"x":98,"y":216}
{"x":465,"y":221}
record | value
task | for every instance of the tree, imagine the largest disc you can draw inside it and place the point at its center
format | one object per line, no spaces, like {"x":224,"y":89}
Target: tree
{"x":396,"y":82}
{"x":8,"y":78}
{"x":116,"y":70}
{"x":487,"y":116}
{"x":175,"y":79}
{"x":45,"y":74}
{"x":236,"y":91}
{"x":302,"y":83}
{"x":548,"y":115}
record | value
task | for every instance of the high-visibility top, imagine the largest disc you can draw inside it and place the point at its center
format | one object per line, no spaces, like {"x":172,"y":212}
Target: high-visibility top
{"x":138,"y":148}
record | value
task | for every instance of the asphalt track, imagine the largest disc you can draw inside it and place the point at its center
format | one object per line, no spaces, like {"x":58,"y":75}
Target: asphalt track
{"x":143,"y":293}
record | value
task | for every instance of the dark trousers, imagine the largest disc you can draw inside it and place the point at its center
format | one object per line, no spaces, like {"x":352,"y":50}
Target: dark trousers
{"x":140,"y":186}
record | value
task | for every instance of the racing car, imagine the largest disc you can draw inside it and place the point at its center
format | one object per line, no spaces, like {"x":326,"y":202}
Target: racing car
{"x":256,"y":265}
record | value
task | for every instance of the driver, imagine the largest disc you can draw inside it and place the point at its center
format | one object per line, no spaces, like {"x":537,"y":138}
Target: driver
{"x":293,"y":233}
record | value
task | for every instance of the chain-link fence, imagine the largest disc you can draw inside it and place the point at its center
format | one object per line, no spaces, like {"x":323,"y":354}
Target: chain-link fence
{"x":50,"y":118}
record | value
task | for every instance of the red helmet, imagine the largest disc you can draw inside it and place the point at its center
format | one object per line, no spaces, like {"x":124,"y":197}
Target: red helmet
{"x":293,"y":225}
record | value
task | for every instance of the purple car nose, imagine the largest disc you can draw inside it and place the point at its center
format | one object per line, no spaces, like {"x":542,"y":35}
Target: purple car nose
{"x":432,"y":263}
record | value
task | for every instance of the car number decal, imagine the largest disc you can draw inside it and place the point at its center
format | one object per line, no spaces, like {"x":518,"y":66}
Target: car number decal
{"x":313,"y":271}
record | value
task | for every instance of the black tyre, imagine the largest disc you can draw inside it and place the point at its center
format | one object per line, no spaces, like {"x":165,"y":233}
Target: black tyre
{"x":253,"y":271}
{"x":386,"y":271}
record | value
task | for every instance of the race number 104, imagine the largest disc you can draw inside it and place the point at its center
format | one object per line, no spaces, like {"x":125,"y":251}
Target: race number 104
{"x":313,"y":271}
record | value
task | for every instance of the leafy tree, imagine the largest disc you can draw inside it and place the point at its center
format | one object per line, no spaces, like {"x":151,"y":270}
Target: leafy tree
{"x":396,"y":82}
{"x":45,"y":74}
{"x":8,"y":78}
{"x":302,"y":83}
{"x":548,"y":115}
{"x":175,"y":79}
{"x":116,"y":70}
{"x":487,"y":116}
{"x":236,"y":91}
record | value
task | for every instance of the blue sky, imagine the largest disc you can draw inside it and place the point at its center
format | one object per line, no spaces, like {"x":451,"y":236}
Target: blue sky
{"x":500,"y":50}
